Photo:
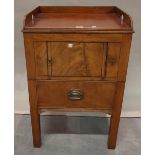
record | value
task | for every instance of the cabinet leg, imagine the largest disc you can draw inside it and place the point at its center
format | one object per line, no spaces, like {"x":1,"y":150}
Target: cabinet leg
{"x":115,"y":118}
{"x":35,"y":122}
{"x":35,"y":116}
{"x":112,"y":138}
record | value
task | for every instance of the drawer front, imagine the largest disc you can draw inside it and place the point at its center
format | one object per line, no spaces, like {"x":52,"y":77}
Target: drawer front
{"x":63,"y":94}
{"x":73,"y":59}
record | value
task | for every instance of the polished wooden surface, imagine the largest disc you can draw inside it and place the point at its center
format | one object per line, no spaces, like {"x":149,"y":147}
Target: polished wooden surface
{"x":46,"y":19}
{"x":115,"y":116}
{"x":95,"y":94}
{"x":57,"y":59}
{"x":40,"y":58}
{"x":92,"y":61}
{"x":112,"y":60}
{"x":77,"y":59}
{"x":35,"y":117}
{"x":74,"y":20}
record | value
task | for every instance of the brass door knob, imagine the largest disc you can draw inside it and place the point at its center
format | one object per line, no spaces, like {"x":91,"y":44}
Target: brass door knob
{"x":50,"y":61}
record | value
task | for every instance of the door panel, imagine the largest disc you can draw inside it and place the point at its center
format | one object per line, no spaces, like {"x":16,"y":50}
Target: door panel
{"x":72,"y":59}
{"x":76,"y":59}
{"x":95,"y":58}
{"x":40,"y":50}
{"x":67,"y":59}
{"x":112,"y":60}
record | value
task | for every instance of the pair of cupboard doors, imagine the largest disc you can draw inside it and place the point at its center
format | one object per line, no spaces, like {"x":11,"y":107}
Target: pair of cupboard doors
{"x":76,"y":59}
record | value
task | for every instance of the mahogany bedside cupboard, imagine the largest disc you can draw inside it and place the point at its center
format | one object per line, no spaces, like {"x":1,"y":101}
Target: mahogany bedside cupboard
{"x":77,"y":60}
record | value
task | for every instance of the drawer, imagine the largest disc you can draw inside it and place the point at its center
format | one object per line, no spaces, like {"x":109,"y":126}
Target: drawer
{"x":86,"y":94}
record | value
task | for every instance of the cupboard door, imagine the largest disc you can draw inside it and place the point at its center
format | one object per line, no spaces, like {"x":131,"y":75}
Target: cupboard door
{"x":67,"y":59}
{"x":40,"y":50}
{"x":76,"y":59}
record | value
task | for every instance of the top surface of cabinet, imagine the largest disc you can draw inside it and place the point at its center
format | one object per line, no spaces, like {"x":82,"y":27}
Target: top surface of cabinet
{"x":105,"y":19}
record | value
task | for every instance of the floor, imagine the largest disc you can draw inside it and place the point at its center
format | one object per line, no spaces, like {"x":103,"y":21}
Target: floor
{"x":68,"y":135}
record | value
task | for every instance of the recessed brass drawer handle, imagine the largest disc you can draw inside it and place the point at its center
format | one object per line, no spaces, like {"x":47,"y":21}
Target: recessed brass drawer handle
{"x":75,"y":94}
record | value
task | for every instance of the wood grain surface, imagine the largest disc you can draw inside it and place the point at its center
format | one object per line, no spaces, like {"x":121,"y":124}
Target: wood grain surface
{"x":77,"y":59}
{"x":79,"y":18}
{"x":95,"y":94}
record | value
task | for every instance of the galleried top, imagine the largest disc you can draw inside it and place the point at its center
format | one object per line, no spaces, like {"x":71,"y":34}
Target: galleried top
{"x":106,"y":19}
